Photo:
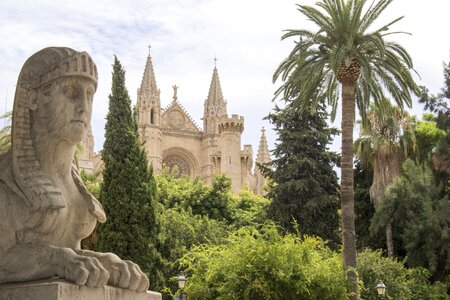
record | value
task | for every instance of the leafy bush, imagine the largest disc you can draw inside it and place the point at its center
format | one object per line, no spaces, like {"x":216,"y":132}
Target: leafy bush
{"x":192,"y":213}
{"x":184,"y":193}
{"x":249,"y":209}
{"x":217,"y":202}
{"x":401,"y":282}
{"x":180,"y":230}
{"x":263,"y":264}
{"x":93,"y":182}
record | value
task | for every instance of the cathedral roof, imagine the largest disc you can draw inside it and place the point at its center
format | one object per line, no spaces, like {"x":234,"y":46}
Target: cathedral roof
{"x":263,"y":155}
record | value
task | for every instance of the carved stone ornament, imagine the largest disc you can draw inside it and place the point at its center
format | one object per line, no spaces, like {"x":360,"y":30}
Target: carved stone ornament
{"x":175,"y":162}
{"x":45,"y":209}
{"x":176,"y":119}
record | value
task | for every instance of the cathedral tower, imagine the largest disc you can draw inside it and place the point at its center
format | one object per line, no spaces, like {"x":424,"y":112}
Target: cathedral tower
{"x":215,"y":107}
{"x":149,"y":116}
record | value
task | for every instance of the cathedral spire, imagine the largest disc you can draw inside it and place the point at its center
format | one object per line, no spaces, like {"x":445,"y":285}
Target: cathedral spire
{"x":263,"y":155}
{"x":148,"y":97}
{"x":148,"y":84}
{"x":215,"y":105}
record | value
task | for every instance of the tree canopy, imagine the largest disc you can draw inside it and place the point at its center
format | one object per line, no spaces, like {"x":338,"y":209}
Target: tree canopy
{"x":386,"y":140}
{"x":128,"y":191}
{"x":305,"y":186}
{"x":344,"y":54}
{"x":416,"y":206}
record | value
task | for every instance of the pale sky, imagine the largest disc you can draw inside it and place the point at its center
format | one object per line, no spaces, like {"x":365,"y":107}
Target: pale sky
{"x":185,"y":36}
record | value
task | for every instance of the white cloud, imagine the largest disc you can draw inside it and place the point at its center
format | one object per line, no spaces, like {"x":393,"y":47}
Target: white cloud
{"x":185,"y":36}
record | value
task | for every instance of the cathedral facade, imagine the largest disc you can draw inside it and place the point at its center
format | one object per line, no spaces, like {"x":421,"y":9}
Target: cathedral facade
{"x":172,"y":139}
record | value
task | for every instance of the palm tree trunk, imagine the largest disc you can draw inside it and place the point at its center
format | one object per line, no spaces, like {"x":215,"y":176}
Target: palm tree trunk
{"x":389,"y":240}
{"x":386,"y":168}
{"x":347,"y":193}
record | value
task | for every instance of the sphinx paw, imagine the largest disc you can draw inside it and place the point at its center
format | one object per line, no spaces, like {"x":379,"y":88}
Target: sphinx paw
{"x":83,"y":270}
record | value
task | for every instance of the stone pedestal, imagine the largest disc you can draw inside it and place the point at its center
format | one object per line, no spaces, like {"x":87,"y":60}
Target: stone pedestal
{"x":61,"y":290}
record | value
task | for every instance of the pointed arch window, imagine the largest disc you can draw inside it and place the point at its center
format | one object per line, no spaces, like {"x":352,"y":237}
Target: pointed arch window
{"x":152,"y":116}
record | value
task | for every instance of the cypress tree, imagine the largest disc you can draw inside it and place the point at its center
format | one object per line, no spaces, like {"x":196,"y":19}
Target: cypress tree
{"x":128,"y":191}
{"x":305,"y":190}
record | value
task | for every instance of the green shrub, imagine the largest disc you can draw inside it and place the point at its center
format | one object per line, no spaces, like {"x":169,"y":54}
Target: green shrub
{"x":249,"y":209}
{"x":401,"y":282}
{"x":180,"y":230}
{"x":263,"y":264}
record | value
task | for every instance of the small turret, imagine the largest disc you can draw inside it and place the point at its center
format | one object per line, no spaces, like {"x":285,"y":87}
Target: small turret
{"x":230,"y":130}
{"x":235,"y":123}
{"x":262,"y":157}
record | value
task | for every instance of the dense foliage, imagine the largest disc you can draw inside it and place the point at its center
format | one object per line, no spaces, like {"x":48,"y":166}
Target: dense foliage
{"x":180,"y":231}
{"x":401,"y":282}
{"x":181,"y":193}
{"x":439,"y":104}
{"x":364,"y":210}
{"x":386,"y":140}
{"x":346,"y":59}
{"x":419,"y":210}
{"x":260,"y":252}
{"x":192,"y":213}
{"x":92,"y":182}
{"x":216,"y":202}
{"x":305,"y":189}
{"x":264,"y":264}
{"x":428,"y":135}
{"x":128,"y":191}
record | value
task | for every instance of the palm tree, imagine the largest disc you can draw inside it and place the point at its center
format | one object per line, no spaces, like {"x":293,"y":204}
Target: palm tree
{"x":343,"y":55}
{"x":386,"y":140}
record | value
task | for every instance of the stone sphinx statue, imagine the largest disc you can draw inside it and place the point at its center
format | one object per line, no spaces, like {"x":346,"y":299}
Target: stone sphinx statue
{"x":45,"y":209}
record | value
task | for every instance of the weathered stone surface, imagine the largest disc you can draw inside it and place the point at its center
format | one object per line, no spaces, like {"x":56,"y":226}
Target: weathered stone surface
{"x":61,"y":290}
{"x":45,"y":209}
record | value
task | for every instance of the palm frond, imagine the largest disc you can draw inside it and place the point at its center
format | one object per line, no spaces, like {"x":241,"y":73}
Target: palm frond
{"x":373,"y":13}
{"x":341,"y":37}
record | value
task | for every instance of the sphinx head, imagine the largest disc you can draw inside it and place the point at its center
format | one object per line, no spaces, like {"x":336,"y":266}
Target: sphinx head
{"x":53,"y":103}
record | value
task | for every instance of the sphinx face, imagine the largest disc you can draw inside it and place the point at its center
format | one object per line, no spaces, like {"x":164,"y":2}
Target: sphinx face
{"x":65,"y":114}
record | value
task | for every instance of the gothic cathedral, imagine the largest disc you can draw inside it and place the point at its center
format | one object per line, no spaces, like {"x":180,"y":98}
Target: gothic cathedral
{"x":173,"y":140}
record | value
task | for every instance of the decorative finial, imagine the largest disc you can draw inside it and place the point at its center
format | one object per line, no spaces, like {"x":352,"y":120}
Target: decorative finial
{"x":175,"y":89}
{"x":215,"y":61}
{"x":149,"y":47}
{"x":263,"y":130}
